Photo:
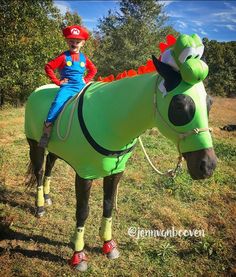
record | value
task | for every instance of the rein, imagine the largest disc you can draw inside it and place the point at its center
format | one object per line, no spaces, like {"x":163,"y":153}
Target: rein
{"x":79,"y":99}
{"x":74,"y":98}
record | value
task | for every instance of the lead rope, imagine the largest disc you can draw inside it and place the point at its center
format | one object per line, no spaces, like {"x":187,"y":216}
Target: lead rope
{"x":171,"y":172}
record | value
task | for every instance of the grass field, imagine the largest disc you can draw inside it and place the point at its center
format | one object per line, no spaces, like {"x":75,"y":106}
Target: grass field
{"x":40,"y":247}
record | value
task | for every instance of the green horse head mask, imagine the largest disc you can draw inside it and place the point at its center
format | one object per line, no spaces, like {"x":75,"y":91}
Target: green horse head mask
{"x":181,"y":99}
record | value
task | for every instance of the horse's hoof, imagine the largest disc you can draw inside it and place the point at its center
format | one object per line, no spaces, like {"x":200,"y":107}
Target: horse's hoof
{"x":83,"y":266}
{"x":40,"y":211}
{"x":47,"y":200}
{"x":114,"y":254}
{"x":79,"y":261}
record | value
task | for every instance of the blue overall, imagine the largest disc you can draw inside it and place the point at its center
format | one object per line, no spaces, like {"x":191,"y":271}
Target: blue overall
{"x":74,"y":71}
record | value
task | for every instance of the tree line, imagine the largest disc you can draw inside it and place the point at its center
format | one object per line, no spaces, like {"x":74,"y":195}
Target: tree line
{"x":125,"y":39}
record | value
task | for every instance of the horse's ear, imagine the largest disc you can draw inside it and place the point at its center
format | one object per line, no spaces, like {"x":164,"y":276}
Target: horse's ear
{"x":164,"y":69}
{"x":172,"y":77}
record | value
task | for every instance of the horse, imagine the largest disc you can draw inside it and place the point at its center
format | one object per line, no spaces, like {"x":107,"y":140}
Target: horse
{"x":104,"y":123}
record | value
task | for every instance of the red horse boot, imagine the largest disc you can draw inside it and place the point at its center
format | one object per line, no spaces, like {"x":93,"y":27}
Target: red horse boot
{"x":110,"y":249}
{"x":79,"y":261}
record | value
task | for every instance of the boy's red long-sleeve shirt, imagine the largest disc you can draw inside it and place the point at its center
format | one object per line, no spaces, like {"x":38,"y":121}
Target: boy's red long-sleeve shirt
{"x":60,"y":61}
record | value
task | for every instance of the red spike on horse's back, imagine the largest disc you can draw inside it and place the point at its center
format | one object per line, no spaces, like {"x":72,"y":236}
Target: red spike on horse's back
{"x":111,"y":78}
{"x":106,"y":79}
{"x":124,"y":74}
{"x":132,"y":72}
{"x":118,"y":77}
{"x":141,"y":69}
{"x":170,"y":40}
{"x":150,"y":65}
{"x":163,"y":46}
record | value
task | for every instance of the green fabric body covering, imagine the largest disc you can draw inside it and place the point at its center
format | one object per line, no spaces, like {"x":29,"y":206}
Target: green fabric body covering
{"x":115,"y":114}
{"x":105,"y":231}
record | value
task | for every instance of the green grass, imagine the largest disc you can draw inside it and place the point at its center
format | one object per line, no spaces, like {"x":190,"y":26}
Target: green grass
{"x":40,"y":247}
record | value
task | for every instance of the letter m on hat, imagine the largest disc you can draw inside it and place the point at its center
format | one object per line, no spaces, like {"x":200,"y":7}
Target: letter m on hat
{"x":75,"y":31}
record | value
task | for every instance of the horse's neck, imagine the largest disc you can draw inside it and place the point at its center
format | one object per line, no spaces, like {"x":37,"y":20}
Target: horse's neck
{"x":129,"y":110}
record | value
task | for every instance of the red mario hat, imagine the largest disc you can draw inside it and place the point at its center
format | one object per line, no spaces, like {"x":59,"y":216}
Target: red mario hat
{"x":75,"y":31}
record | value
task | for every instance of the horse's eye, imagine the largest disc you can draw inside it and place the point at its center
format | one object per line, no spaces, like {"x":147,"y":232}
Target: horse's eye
{"x":181,"y":110}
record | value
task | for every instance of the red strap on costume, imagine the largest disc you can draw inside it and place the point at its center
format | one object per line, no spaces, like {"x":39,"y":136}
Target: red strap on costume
{"x":60,"y":61}
{"x":108,"y":246}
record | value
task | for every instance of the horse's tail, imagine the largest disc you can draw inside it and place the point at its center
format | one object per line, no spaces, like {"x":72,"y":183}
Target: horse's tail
{"x":30,"y":178}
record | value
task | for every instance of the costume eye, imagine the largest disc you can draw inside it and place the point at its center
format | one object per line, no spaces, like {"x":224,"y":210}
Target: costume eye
{"x":187,"y":53}
{"x":181,"y":110}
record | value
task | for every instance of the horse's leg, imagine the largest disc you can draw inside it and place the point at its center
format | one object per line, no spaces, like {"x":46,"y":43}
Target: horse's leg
{"x":110,"y":184}
{"x":82,"y":190}
{"x":50,"y":161}
{"x":37,"y":159}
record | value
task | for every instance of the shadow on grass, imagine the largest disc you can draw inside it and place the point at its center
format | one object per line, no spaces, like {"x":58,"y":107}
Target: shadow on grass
{"x":7,"y":234}
{"x":7,"y":197}
{"x":45,"y":256}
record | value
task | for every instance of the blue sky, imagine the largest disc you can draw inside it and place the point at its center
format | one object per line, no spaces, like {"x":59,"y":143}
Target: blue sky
{"x":212,"y":19}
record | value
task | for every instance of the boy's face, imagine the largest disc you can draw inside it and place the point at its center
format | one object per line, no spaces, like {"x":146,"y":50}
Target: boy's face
{"x":75,"y":44}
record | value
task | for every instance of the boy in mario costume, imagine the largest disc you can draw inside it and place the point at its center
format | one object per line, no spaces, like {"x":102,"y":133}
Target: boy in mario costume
{"x":71,"y":65}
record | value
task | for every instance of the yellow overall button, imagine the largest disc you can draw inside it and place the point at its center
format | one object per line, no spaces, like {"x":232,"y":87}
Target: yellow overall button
{"x":82,"y":64}
{"x":69,"y":63}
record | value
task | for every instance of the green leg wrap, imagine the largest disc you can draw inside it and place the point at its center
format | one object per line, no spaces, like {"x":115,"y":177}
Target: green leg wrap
{"x":46,"y":184}
{"x":78,"y":239}
{"x":105,"y":230}
{"x":40,"y":197}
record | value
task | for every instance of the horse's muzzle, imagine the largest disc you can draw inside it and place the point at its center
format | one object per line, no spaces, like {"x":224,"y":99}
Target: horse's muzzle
{"x":201,"y":164}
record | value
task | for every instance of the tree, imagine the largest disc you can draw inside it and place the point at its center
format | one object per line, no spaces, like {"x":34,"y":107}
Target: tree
{"x":31,"y":32}
{"x":126,"y":39}
{"x":221,"y":59}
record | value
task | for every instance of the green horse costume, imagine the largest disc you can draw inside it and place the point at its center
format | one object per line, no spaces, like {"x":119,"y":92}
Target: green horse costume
{"x":103,"y":123}
{"x":114,"y":114}
{"x":102,"y":108}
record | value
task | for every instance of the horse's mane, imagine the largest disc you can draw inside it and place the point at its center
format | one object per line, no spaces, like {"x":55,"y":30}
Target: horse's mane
{"x":147,"y":68}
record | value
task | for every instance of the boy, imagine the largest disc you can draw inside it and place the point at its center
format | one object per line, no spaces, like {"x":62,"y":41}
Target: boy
{"x":72,"y":65}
